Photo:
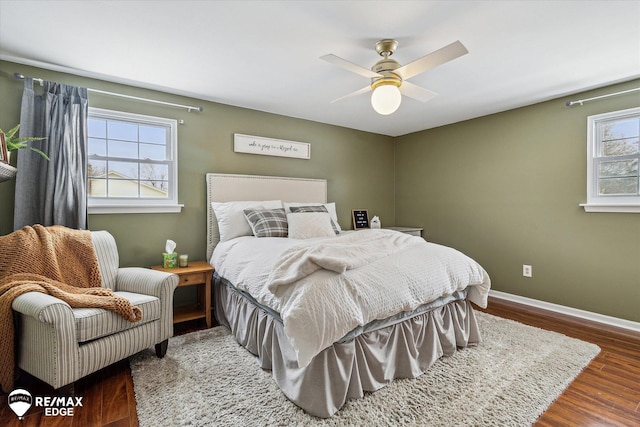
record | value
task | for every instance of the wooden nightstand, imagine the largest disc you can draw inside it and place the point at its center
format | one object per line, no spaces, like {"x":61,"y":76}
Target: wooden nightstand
{"x":198,"y":273}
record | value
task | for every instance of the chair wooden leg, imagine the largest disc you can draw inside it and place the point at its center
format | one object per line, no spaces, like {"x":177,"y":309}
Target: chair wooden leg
{"x":161,"y":348}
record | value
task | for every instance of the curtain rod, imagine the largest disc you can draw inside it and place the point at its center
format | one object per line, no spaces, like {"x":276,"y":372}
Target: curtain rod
{"x":121,"y":95}
{"x":581,"y":101}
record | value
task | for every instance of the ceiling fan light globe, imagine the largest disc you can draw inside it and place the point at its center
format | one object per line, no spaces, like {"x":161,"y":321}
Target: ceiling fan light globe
{"x":386,"y":99}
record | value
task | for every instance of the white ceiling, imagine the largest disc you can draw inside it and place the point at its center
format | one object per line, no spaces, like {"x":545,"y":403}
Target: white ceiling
{"x":264,"y":55}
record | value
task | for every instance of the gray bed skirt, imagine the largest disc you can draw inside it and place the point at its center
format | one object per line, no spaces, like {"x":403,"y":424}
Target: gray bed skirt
{"x":367,"y":362}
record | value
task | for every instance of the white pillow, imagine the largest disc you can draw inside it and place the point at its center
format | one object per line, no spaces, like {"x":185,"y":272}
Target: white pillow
{"x":331,"y":208}
{"x":307,"y":225}
{"x":231,"y":220}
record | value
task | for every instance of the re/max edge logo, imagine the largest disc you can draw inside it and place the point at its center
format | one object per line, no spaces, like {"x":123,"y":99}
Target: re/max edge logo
{"x":20,"y":401}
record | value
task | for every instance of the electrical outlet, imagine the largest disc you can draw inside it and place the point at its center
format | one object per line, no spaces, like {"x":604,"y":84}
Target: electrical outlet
{"x":527,"y":271}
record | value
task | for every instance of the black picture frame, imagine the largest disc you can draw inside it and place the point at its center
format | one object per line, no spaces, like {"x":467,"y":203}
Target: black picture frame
{"x":360,"y":219}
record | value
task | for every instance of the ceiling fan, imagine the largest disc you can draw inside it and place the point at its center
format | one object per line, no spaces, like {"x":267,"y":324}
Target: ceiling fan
{"x":389,"y":78}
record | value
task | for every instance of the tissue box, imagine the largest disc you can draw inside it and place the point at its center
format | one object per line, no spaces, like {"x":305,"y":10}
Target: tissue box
{"x":169,"y":260}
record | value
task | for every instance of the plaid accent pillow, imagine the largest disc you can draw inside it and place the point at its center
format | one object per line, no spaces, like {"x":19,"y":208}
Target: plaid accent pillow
{"x":318,"y":208}
{"x":267,"y":222}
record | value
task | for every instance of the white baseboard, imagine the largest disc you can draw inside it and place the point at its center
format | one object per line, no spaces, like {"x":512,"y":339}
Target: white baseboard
{"x":582,"y":314}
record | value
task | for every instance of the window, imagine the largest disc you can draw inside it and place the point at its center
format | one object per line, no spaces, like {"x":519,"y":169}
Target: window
{"x":133,"y":165}
{"x":613,"y":182}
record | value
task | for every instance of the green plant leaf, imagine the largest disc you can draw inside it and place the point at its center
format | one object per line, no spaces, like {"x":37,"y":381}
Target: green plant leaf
{"x":21,"y":143}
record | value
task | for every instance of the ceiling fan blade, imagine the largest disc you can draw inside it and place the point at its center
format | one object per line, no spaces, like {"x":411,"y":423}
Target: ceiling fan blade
{"x":354,"y":68}
{"x":416,"y":92}
{"x":432,"y":60}
{"x":352,"y":94}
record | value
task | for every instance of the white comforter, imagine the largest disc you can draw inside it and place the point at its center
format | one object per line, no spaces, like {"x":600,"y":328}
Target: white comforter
{"x":324,"y":288}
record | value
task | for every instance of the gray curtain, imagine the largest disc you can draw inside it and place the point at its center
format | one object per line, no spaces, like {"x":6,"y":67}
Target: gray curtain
{"x":53,"y":192}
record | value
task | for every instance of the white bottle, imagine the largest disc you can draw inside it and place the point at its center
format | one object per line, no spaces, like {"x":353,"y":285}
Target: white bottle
{"x":375,"y":222}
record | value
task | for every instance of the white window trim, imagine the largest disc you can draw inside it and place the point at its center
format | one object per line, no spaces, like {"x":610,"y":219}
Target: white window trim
{"x":129,"y":209}
{"x":127,"y":206}
{"x":610,"y":207}
{"x":595,"y":203}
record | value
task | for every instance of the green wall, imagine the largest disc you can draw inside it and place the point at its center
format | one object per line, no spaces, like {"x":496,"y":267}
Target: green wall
{"x":357,"y":165}
{"x":505,"y":190}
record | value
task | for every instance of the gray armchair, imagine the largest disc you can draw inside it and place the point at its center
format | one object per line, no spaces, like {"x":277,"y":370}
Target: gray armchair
{"x":59,"y":344}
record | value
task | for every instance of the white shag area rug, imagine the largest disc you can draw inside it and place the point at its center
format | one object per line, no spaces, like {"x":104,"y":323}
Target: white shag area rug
{"x":207,"y":379}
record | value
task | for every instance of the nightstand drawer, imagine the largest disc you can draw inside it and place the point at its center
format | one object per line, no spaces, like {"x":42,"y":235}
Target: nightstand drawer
{"x":414,"y":231}
{"x":197,"y":273}
{"x":192,"y":279}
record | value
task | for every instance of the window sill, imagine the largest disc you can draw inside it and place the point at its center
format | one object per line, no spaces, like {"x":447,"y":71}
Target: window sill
{"x":129,"y":209}
{"x":601,"y":207}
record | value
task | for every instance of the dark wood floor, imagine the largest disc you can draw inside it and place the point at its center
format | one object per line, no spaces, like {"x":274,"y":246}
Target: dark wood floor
{"x":606,"y":393}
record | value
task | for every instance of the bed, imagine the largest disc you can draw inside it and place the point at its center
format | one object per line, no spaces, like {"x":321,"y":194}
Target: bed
{"x":332,"y":316}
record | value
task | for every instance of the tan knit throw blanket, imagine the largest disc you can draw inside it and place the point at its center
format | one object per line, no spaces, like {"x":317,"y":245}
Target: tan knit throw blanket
{"x":53,"y":260}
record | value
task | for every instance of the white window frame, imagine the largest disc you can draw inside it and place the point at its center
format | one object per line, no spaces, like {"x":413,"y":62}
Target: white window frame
{"x":596,"y":202}
{"x":115,"y":205}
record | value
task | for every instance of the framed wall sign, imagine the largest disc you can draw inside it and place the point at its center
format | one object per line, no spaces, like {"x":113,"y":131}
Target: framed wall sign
{"x":360,"y":219}
{"x":271,"y":147}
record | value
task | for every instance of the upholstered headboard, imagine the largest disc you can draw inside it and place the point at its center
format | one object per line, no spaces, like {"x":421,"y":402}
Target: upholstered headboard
{"x":231,"y":187}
